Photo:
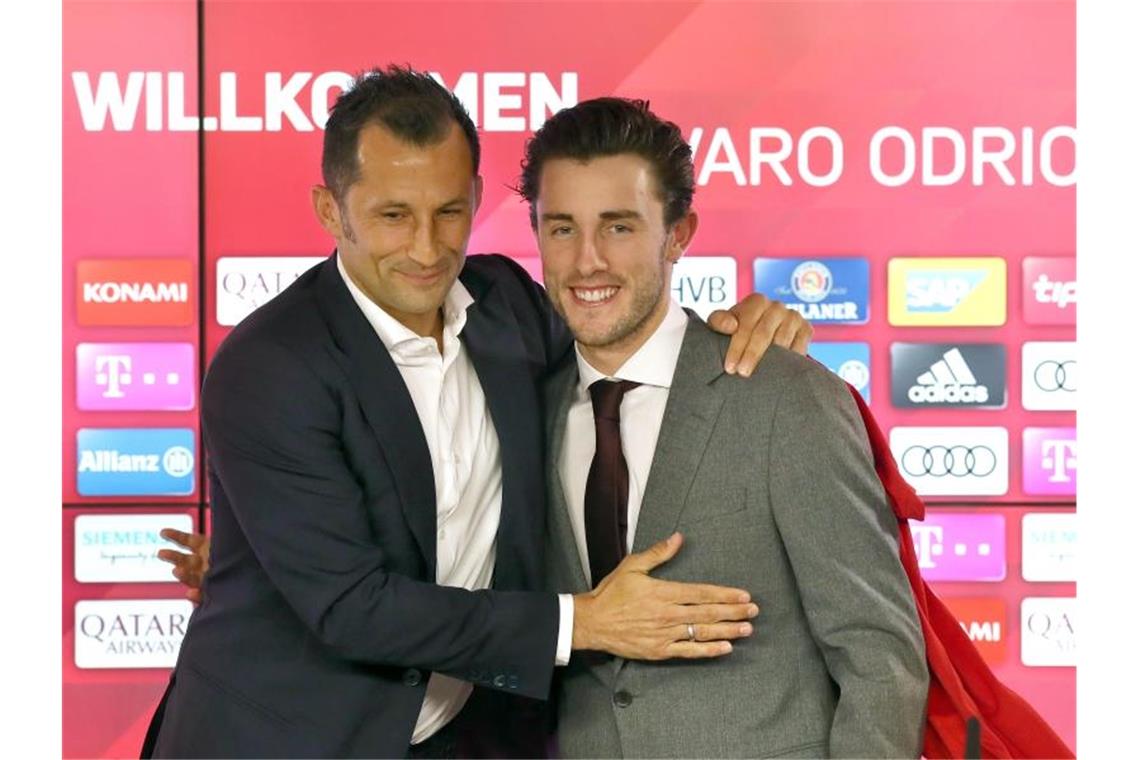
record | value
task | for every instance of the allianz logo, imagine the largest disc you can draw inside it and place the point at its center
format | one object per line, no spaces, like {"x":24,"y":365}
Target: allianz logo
{"x":177,"y":462}
{"x":948,"y":381}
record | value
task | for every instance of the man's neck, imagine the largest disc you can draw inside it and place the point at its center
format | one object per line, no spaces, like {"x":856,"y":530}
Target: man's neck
{"x":609,"y":358}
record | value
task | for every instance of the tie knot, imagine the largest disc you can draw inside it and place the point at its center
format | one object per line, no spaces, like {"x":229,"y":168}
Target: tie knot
{"x":606,"y":396}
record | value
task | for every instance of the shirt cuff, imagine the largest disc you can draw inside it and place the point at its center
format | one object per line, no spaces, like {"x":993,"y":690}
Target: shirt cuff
{"x":565,"y":629}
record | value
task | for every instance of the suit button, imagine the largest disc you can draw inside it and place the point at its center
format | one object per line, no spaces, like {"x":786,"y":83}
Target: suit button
{"x":623,"y":698}
{"x":500,"y":681}
{"x":412,"y":677}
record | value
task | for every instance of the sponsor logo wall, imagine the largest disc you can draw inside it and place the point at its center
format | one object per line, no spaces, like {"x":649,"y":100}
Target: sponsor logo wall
{"x":936,"y":264}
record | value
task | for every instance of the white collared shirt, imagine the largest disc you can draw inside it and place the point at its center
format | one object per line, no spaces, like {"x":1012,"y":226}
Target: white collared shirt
{"x":642,"y":410}
{"x":467,"y":465}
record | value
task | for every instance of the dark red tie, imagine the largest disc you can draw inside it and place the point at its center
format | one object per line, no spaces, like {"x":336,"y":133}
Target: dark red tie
{"x":607,"y":486}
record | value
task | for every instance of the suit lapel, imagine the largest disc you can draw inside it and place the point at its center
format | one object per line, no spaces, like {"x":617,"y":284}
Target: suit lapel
{"x":493,"y":339}
{"x":559,"y":396}
{"x":387,"y":406}
{"x":690,"y":415}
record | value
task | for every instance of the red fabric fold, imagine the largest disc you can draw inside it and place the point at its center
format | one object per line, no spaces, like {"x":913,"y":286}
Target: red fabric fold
{"x":961,"y":684}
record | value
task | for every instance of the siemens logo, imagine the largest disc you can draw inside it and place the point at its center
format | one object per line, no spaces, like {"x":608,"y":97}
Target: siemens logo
{"x":120,"y":548}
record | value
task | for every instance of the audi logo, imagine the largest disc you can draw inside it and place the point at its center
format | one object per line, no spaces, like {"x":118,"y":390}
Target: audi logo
{"x":1052,"y":376}
{"x":956,"y":461}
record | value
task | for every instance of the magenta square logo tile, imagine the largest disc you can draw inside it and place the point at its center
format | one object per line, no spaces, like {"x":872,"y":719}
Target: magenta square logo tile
{"x":1049,"y":290}
{"x":956,"y":547}
{"x":146,"y":377}
{"x":1049,"y":461}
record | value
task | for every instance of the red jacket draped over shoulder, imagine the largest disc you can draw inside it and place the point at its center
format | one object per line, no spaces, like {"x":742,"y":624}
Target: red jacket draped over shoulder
{"x":961,"y":684}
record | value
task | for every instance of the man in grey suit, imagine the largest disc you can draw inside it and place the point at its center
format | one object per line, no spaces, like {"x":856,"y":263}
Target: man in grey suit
{"x":769,"y":479}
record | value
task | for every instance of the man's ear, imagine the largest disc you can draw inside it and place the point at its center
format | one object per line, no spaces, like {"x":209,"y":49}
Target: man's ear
{"x":681,"y":236}
{"x":327,"y":210}
{"x":478,"y":194}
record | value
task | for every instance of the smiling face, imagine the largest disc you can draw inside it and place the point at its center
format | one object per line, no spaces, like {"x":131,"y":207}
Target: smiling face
{"x":402,"y":227}
{"x":607,"y":255}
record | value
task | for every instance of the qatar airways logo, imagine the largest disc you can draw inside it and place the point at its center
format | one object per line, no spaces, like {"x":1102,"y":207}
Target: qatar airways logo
{"x":498,"y":101}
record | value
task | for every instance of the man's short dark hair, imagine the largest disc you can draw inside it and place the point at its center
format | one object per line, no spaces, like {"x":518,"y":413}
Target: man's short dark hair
{"x":611,"y":127}
{"x":408,"y":103}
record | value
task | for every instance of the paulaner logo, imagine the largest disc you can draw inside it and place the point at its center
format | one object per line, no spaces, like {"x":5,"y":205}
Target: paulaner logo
{"x":824,"y":290}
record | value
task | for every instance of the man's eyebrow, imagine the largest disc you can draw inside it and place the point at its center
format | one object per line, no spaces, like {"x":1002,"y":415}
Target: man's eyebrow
{"x":557,"y":217}
{"x":621,"y":213}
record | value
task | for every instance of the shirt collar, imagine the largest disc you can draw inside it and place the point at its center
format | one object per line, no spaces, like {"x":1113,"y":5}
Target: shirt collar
{"x":395,"y":335}
{"x":653,"y":363}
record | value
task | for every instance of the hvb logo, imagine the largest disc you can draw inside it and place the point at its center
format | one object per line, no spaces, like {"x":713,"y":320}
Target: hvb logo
{"x":705,"y":283}
{"x":1049,"y":291}
{"x":829,"y":290}
{"x":135,"y":376}
{"x":946,"y":291}
{"x":960,"y":547}
{"x":135,"y":292}
{"x":1050,"y":461}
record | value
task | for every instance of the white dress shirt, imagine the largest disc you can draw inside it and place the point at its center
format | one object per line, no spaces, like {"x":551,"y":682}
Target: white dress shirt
{"x":466,"y":464}
{"x":642,"y":410}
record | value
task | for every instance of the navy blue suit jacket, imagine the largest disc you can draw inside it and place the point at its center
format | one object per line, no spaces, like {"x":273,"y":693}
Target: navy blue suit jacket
{"x":321,"y":620}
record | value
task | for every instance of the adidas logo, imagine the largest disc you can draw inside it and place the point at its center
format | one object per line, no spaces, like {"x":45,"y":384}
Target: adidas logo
{"x":948,"y":381}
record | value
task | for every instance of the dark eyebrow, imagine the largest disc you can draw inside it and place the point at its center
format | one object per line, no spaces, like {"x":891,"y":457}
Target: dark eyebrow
{"x":623,"y":213}
{"x":559,"y":217}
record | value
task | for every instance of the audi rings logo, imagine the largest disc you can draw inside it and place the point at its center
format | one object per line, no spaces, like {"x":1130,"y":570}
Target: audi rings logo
{"x":1053,"y":376}
{"x":952,"y":461}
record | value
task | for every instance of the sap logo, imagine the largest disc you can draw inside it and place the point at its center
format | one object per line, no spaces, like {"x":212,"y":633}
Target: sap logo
{"x":940,"y":292}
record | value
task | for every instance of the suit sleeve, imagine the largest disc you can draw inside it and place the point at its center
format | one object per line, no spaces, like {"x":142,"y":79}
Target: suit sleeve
{"x":842,"y":541}
{"x":272,"y":430}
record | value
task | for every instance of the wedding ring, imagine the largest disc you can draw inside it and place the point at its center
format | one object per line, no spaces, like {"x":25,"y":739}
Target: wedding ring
{"x":692,"y":631}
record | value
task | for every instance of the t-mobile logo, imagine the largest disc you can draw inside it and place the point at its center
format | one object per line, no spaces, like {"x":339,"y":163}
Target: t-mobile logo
{"x":1060,"y":456}
{"x":135,"y":376}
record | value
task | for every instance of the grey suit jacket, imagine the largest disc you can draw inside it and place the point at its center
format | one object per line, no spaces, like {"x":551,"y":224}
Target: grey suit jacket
{"x":771,"y":481}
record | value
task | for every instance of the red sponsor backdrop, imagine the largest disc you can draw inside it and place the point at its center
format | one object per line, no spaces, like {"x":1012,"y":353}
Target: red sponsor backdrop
{"x":720,"y":70}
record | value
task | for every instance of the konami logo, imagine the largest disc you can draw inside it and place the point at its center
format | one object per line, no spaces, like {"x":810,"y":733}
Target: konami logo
{"x":135,"y":293}
{"x":983,"y":620}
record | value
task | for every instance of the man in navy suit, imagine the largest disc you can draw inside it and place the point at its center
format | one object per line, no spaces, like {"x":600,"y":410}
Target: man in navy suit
{"x":376,"y":456}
